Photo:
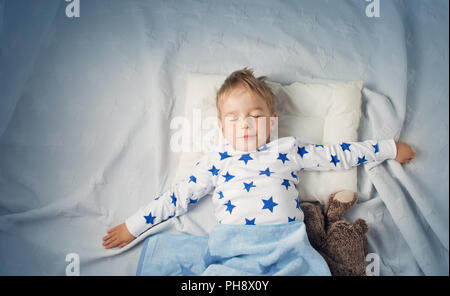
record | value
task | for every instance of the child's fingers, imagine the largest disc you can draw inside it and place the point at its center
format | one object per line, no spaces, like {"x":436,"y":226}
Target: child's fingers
{"x":109,"y":240}
{"x":111,"y":235}
{"x":123,"y":245}
{"x":105,"y":240}
{"x":112,"y":230}
{"x":106,"y":237}
{"x":105,"y":244}
{"x":112,"y":243}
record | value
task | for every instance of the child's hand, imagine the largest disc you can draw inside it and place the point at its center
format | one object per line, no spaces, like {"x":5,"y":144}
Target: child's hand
{"x":118,"y":236}
{"x":404,"y":152}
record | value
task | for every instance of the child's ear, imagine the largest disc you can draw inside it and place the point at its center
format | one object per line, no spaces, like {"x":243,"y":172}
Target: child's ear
{"x":219,"y":123}
{"x":273,"y":121}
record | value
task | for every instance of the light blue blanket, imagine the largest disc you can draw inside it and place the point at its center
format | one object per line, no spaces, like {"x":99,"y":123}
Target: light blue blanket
{"x":281,"y":249}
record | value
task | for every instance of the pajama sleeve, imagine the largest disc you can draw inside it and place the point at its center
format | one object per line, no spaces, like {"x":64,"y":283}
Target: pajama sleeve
{"x":175,"y":200}
{"x":344,"y":155}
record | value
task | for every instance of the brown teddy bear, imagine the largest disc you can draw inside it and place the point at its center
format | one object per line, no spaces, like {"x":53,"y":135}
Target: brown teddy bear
{"x":342,"y":244}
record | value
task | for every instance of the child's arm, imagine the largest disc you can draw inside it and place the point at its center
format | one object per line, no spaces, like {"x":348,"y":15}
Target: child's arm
{"x":345,"y":155}
{"x":171,"y":203}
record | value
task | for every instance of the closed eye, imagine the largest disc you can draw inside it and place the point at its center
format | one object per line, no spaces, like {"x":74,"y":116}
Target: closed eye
{"x":231,"y":118}
{"x":256,"y":115}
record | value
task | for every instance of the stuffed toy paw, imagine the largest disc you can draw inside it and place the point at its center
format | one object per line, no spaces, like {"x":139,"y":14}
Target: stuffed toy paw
{"x":342,"y":244}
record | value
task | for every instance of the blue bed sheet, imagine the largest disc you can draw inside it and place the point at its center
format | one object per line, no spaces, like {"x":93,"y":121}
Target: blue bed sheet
{"x":86,"y":105}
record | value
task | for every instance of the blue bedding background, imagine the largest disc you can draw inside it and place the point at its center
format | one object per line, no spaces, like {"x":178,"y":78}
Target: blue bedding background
{"x":86,"y":104}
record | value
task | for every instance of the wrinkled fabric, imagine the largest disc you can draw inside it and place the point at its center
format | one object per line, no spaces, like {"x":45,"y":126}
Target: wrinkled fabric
{"x":86,"y":105}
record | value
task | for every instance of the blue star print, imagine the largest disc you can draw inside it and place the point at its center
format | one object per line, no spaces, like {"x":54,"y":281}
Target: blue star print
{"x":224,"y":155}
{"x":174,"y":199}
{"x":263,"y":148}
{"x":334,"y":159}
{"x":228,"y":177}
{"x":294,"y":175}
{"x":246,"y":157}
{"x":375,"y":147}
{"x":214,"y":171}
{"x":186,"y":270}
{"x":269,"y":204}
{"x":230,"y":206}
{"x":286,"y":183}
{"x":250,"y":222}
{"x":267,"y":172}
{"x":362,"y":159}
{"x":345,"y":146}
{"x":301,"y":151}
{"x":149,"y":219}
{"x":282,"y":157}
{"x":248,"y":186}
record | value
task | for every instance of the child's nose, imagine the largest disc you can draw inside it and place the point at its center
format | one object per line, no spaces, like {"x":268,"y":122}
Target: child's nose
{"x":244,"y":123}
{"x":247,"y":122}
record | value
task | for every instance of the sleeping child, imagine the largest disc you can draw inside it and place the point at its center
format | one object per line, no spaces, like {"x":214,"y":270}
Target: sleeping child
{"x":253,"y":177}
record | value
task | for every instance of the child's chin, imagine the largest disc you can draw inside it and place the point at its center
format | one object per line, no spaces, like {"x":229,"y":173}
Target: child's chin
{"x":246,"y":146}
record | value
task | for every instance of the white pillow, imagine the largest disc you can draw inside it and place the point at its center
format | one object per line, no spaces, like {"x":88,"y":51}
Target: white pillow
{"x":319,"y":113}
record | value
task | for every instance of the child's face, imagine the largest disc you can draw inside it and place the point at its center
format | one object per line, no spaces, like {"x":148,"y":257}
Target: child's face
{"x":245,"y":120}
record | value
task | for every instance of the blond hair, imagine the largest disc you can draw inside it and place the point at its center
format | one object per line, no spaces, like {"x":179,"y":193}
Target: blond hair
{"x":245,"y":78}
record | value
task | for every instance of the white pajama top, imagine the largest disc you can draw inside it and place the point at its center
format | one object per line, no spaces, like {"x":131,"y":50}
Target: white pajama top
{"x":256,"y":187}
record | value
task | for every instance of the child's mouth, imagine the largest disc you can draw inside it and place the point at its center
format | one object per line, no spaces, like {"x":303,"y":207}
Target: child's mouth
{"x":246,"y":137}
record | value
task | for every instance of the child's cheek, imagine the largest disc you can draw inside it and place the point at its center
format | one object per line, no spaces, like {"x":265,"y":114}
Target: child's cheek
{"x":230,"y":132}
{"x":263,"y":127}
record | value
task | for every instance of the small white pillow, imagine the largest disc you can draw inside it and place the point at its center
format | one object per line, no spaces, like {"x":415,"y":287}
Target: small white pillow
{"x":319,"y":113}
